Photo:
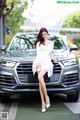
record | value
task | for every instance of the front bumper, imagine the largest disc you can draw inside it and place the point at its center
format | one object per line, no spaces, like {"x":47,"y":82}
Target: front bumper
{"x":54,"y":89}
{"x":65,"y":82}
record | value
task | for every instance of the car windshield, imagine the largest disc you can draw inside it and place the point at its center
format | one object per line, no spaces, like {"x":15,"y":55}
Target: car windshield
{"x":26,"y":42}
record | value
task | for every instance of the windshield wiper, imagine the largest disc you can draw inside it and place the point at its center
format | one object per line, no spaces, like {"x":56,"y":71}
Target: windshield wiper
{"x":26,"y":39}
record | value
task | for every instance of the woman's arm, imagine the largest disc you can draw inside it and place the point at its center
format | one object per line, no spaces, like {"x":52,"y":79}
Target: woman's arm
{"x":38,"y":49}
{"x":53,"y":59}
{"x":52,"y":45}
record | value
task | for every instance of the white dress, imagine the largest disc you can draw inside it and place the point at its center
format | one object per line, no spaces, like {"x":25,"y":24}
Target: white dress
{"x":43,"y":58}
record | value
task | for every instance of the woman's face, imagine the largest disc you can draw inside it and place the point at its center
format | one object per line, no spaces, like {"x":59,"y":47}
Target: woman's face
{"x":44,"y":35}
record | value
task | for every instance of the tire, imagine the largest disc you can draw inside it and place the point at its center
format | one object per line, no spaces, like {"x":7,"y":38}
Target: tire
{"x":73,"y":97}
{"x":4,"y":98}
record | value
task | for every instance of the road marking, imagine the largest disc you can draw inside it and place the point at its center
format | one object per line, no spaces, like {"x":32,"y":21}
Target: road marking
{"x":13,"y":111}
{"x":74,"y":107}
{"x":1,"y":107}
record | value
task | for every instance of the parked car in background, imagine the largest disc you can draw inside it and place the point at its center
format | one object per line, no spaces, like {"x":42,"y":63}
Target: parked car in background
{"x":16,"y":75}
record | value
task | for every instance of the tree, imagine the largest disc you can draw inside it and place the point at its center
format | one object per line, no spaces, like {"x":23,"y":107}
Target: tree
{"x":3,"y":13}
{"x":2,"y":6}
{"x":73,"y":20}
{"x":12,"y":10}
{"x":14,"y":19}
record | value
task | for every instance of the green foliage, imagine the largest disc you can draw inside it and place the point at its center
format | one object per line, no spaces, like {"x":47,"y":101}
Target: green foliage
{"x":14,"y":19}
{"x":73,"y":20}
{"x":77,"y":42}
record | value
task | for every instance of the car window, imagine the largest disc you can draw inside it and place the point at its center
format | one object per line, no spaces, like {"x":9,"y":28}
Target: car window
{"x":26,"y":42}
{"x":21,"y":43}
{"x":58,"y":42}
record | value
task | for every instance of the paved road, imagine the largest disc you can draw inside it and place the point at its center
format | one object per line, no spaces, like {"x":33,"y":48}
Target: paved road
{"x":28,"y":108}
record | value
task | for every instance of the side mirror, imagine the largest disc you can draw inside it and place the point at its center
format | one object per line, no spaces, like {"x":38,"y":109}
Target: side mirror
{"x":73,"y":47}
{"x":3,"y":48}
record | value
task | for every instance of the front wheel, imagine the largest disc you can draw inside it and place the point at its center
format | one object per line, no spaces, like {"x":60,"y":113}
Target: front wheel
{"x":73,"y":97}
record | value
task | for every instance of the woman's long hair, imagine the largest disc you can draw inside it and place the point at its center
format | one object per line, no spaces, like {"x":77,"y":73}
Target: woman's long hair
{"x":39,"y":36}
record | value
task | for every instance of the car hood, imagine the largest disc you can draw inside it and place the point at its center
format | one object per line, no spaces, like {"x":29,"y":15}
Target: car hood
{"x":63,"y":55}
{"x":22,"y":56}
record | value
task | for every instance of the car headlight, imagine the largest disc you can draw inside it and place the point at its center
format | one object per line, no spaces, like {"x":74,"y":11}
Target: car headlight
{"x":69,"y":62}
{"x":8,"y":64}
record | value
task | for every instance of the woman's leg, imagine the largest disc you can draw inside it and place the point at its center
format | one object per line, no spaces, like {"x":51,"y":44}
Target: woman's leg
{"x":42,"y":96}
{"x":42,"y":85}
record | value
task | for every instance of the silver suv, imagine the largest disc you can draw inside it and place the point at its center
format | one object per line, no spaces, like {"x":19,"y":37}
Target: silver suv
{"x":16,"y":68}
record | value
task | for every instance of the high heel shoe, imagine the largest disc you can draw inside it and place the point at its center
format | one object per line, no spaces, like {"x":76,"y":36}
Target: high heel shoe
{"x":43,"y":110}
{"x":48,"y":104}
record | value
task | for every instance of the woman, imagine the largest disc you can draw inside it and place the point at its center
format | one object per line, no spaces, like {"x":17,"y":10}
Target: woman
{"x":43,"y":64}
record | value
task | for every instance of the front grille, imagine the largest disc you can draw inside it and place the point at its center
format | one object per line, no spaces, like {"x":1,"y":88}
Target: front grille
{"x":71,"y":79}
{"x":24,"y":68}
{"x":7,"y":80}
{"x":56,"y":73}
{"x":56,"y":68}
{"x":25,"y":73}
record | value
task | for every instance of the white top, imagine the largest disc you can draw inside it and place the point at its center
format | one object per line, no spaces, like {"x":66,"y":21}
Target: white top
{"x":43,"y":57}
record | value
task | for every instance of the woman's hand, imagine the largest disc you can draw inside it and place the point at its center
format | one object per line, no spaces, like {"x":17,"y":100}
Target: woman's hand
{"x":52,"y":56}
